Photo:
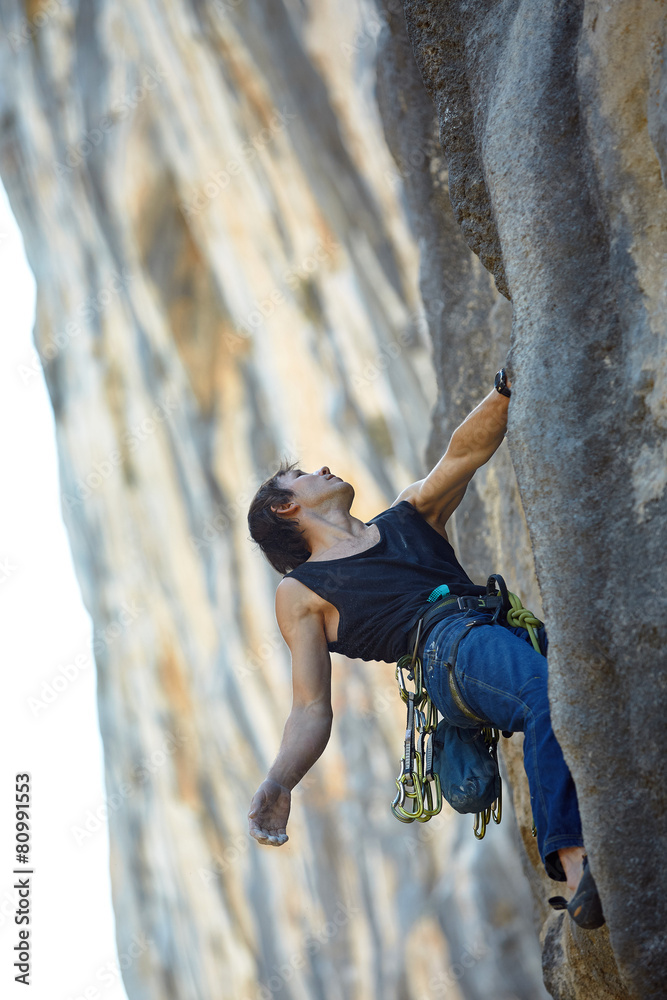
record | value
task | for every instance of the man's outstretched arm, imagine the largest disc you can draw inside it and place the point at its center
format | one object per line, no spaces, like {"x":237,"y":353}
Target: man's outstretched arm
{"x":308,"y":727}
{"x":471,"y":445}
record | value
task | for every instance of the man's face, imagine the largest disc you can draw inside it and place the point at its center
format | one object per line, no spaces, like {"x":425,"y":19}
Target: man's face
{"x":312,"y":488}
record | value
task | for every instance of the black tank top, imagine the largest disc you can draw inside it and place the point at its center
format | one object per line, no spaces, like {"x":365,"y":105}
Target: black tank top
{"x":379,"y":593}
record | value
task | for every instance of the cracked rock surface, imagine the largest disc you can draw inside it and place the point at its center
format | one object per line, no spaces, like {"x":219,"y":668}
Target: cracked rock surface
{"x":557,"y":113}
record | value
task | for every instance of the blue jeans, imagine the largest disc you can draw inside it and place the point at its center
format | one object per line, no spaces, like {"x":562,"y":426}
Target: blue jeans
{"x":504,"y":680}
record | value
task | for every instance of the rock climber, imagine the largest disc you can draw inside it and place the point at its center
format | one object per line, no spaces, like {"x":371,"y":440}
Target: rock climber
{"x":359,"y":588}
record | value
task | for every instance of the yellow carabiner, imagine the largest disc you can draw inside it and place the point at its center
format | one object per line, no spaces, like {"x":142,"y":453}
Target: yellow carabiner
{"x":481,"y":822}
{"x":414,"y":793}
{"x":413,"y":665}
{"x":402,"y":686}
{"x":429,"y":808}
{"x":497,"y":807}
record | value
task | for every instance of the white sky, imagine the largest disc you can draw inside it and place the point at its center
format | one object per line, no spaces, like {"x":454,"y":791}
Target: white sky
{"x":43,"y":629}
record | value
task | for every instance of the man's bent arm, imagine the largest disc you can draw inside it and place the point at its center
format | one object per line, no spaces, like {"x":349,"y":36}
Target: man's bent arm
{"x":471,"y":445}
{"x":308,"y":726}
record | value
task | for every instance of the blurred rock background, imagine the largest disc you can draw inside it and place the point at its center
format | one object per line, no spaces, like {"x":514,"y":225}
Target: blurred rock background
{"x":238,"y":218}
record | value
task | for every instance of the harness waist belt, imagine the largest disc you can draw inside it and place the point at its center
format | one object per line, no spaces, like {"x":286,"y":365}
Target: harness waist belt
{"x":433,"y":613}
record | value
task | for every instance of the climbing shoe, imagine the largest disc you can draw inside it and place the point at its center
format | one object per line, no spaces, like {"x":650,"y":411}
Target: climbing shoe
{"x":585,"y":907}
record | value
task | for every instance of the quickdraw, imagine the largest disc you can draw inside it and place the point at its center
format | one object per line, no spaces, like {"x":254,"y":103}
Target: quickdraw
{"x":419,"y":795}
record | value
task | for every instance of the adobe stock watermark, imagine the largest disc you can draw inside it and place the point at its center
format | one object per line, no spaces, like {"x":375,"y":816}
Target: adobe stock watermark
{"x":8,"y":907}
{"x":426,"y":832}
{"x":85,"y":312}
{"x":7,"y":569}
{"x":219,"y":180}
{"x":381,"y":701}
{"x":223,"y":518}
{"x":381,"y":361}
{"x":30,"y":26}
{"x":223,"y":7}
{"x":109,"y":974}
{"x":385,"y":356}
{"x":253,"y":661}
{"x":78,"y":151}
{"x":225,"y":515}
{"x":292,"y":278}
{"x":65,"y":676}
{"x":313,"y":943}
{"x":371,"y":29}
{"x":237,"y":848}
{"x":416,"y":160}
{"x":132,"y":439}
{"x":441,"y":984}
{"x":95,"y":820}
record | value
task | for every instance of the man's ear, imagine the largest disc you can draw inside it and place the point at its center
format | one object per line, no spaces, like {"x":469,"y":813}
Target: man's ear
{"x":288,"y":509}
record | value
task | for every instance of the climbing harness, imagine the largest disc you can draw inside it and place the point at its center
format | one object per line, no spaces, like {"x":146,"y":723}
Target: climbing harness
{"x":419,"y":790}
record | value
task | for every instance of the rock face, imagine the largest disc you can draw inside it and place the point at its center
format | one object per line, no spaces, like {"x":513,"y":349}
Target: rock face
{"x":553,"y":120}
{"x":227,"y":273}
{"x":242,"y":245}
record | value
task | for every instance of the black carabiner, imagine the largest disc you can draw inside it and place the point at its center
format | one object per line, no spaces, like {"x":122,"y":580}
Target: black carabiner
{"x":506,"y":606}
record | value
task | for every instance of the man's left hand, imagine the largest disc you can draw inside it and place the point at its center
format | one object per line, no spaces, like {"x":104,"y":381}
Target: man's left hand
{"x":269,"y":811}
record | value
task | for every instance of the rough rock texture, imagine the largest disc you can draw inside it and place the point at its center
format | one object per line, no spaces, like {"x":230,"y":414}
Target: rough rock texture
{"x":469,"y":324}
{"x":226,"y":272}
{"x":555,"y":113}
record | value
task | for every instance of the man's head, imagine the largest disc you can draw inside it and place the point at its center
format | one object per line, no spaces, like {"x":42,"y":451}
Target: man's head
{"x":283,"y":503}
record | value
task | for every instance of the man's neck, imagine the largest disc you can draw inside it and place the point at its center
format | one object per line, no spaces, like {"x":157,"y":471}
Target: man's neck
{"x":333,"y":529}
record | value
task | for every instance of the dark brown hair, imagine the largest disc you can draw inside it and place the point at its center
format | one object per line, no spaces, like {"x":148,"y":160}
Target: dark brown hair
{"x":279,"y":538}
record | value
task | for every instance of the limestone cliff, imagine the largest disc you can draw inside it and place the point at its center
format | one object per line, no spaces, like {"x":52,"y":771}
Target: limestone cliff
{"x":237,"y":214}
{"x":552,"y":118}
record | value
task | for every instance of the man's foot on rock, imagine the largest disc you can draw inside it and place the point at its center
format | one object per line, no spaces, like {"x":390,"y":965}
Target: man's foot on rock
{"x":585,"y":907}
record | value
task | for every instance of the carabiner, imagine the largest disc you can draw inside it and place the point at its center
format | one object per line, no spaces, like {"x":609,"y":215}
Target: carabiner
{"x":481,"y":823}
{"x":413,"y":792}
{"x":429,"y":808}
